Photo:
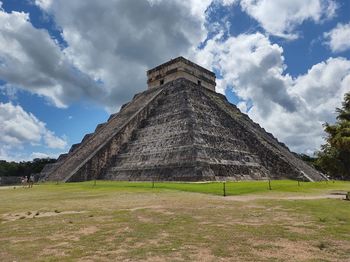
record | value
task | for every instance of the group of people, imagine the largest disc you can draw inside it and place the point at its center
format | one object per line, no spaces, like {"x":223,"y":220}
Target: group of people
{"x":27,"y":180}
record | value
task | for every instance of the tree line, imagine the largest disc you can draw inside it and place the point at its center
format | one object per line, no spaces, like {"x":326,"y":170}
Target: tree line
{"x":24,"y":168}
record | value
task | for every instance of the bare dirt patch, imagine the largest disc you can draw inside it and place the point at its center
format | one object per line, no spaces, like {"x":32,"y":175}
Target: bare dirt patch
{"x":8,"y":187}
{"x":53,"y":251}
{"x":88,"y":230}
{"x":205,"y":255}
{"x":35,"y":214}
{"x":300,"y":230}
{"x":64,"y":237}
{"x":283,"y":250}
{"x":247,"y":198}
{"x":288,"y":250}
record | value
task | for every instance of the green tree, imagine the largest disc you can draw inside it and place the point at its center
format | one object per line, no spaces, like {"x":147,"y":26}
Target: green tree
{"x":334,"y":157}
{"x":24,"y":168}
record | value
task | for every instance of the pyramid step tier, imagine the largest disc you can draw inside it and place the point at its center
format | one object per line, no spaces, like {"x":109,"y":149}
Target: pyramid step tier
{"x":188,"y":172}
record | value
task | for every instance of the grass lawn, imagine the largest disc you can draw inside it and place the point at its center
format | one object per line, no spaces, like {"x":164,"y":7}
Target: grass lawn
{"x":175,"y":222}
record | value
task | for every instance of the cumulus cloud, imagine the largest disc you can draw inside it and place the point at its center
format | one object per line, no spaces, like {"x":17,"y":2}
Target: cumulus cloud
{"x":320,"y":91}
{"x":253,"y":66}
{"x":281,"y":17}
{"x":43,"y":3}
{"x":32,"y":60}
{"x":103,"y":62}
{"x":106,"y":61}
{"x":19,"y":128}
{"x":338,"y":39}
{"x":129,"y":38}
{"x":293,"y":109}
{"x":228,"y":2}
{"x":39,"y":155}
{"x":42,"y":155}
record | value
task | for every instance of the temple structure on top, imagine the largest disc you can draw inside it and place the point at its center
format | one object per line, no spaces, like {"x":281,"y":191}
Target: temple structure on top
{"x":180,"y":68}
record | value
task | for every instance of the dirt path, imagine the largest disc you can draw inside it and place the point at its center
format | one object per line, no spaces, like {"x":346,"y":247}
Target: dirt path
{"x":9,"y":187}
{"x":279,"y":197}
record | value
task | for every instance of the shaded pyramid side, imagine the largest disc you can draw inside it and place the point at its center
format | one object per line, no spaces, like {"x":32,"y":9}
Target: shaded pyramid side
{"x":274,"y":155}
{"x":195,"y":134}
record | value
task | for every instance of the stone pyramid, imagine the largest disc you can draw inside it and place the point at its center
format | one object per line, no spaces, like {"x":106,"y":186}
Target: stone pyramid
{"x":179,"y":130}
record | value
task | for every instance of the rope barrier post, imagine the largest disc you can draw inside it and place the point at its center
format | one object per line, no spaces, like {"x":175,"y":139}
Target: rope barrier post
{"x":224,"y":188}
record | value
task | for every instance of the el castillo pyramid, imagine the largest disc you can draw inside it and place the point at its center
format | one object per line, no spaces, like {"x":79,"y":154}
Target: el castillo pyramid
{"x":179,"y":129}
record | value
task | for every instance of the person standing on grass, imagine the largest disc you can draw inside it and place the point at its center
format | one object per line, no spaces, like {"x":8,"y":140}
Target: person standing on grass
{"x":30,"y":181}
{"x":24,"y":181}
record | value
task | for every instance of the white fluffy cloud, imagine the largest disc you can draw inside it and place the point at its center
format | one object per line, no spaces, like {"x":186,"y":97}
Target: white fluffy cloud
{"x":254,"y":66}
{"x":42,"y":155}
{"x":293,"y":109}
{"x":129,"y":38}
{"x":32,"y":60}
{"x":43,"y":3}
{"x":104,"y":61}
{"x":19,"y":128}
{"x":338,"y":39}
{"x":281,"y":17}
{"x":39,"y":155}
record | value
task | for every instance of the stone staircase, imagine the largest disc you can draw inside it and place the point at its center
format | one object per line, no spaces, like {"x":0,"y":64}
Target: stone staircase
{"x":81,"y":153}
{"x":180,"y":139}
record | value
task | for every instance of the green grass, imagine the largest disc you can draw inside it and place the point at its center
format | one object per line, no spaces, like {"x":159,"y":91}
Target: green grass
{"x":215,"y":188}
{"x":135,"y":222}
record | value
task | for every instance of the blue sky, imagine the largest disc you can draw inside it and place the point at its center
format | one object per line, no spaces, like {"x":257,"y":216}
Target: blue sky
{"x":65,"y":66}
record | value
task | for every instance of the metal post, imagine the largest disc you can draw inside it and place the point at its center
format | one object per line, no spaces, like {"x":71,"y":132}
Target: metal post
{"x":224,"y":188}
{"x":270,"y":185}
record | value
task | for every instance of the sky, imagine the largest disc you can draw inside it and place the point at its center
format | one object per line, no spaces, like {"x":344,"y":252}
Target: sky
{"x":65,"y":66}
